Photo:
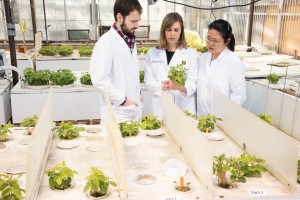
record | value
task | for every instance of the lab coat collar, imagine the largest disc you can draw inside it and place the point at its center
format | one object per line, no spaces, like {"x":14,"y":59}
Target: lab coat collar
{"x":223,"y":53}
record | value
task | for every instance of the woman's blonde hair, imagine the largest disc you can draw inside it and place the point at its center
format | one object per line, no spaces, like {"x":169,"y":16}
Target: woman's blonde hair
{"x":167,"y":22}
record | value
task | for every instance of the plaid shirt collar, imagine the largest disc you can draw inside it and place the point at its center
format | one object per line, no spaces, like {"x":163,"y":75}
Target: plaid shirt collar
{"x":130,"y":40}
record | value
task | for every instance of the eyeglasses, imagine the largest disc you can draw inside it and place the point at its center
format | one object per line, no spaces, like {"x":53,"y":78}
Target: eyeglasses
{"x":213,"y":41}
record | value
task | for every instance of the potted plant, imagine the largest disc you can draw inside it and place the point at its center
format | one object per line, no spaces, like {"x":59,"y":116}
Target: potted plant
{"x":49,"y":50}
{"x":85,"y":51}
{"x":60,"y":176}
{"x":266,"y":118}
{"x":65,"y":50}
{"x":207,"y":123}
{"x":178,"y":74}
{"x":150,"y":122}
{"x":253,"y":166}
{"x":182,"y":186}
{"x":142,"y":76}
{"x":129,"y":128}
{"x":97,"y":184}
{"x":67,"y":130}
{"x":10,"y":188}
{"x":23,"y":27}
{"x":36,"y":79}
{"x":228,"y":171}
{"x":62,"y":77}
{"x":193,"y":116}
{"x":30,"y":123}
{"x":273,"y":78}
{"x":143,"y":50}
{"x":85,"y":79}
{"x":4,"y":130}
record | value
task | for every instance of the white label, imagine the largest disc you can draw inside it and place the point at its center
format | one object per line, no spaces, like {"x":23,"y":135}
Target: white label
{"x":170,"y":198}
{"x":256,"y":192}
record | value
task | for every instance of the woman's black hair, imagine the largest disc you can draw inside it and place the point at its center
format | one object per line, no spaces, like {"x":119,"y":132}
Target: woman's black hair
{"x":224,"y":28}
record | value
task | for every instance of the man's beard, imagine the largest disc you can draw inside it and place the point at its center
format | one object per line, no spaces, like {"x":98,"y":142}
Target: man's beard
{"x":125,"y":30}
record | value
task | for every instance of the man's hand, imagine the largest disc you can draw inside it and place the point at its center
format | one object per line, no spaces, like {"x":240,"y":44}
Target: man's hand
{"x":130,"y":102}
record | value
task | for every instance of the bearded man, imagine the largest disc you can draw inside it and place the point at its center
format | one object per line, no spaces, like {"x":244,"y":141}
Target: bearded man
{"x":114,"y":65}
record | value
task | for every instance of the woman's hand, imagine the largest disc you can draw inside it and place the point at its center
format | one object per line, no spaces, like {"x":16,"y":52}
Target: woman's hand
{"x":171,"y":85}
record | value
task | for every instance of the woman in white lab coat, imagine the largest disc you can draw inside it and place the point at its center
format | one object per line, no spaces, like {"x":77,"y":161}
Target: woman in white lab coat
{"x":219,"y":69}
{"x":172,"y":50}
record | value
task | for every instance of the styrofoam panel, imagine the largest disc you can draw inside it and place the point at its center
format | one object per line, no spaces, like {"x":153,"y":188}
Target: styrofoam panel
{"x":195,"y":147}
{"x":38,"y":149}
{"x":278,"y":149}
{"x":255,"y":98}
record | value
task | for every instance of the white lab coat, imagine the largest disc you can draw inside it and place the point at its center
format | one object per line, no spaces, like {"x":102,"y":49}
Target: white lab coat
{"x":115,"y":69}
{"x":156,"y":71}
{"x":226,"y":74}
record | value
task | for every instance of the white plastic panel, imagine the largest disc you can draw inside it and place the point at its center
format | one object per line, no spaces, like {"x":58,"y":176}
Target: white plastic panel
{"x":278,"y":149}
{"x":193,"y":144}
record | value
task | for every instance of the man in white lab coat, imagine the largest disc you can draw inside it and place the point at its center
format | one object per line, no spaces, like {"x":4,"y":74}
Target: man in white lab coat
{"x":114,"y":65}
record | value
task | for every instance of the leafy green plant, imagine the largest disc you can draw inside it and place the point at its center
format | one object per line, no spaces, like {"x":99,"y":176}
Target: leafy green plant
{"x":85,"y":79}
{"x":30,"y":123}
{"x":85,"y":50}
{"x":150,"y":122}
{"x":143,"y":50}
{"x":10,"y":188}
{"x":207,"y":123}
{"x":202,"y":49}
{"x":178,"y":74}
{"x":63,"y":77}
{"x":253,"y":166}
{"x":266,"y":118}
{"x":60,"y":176}
{"x":228,"y":170}
{"x":97,"y":183}
{"x":23,"y":28}
{"x":39,"y":77}
{"x":48,"y":50}
{"x":129,"y":128}
{"x":142,"y":76}
{"x":193,"y":116}
{"x":67,"y":130}
{"x":4,"y":130}
{"x":273,"y":78}
{"x":65,"y":50}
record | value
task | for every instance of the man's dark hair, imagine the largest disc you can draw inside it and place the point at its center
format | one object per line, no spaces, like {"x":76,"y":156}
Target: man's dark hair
{"x":124,"y":7}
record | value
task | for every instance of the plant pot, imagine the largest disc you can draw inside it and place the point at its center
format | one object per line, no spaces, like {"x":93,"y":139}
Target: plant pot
{"x":225,"y":181}
{"x":29,"y":130}
{"x":4,"y":138}
{"x":21,"y":50}
{"x":185,"y":189}
{"x":69,"y":183}
{"x":206,"y":131}
{"x":102,"y":196}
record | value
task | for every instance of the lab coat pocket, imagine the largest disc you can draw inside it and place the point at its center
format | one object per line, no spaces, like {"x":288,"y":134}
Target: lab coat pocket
{"x":124,"y":113}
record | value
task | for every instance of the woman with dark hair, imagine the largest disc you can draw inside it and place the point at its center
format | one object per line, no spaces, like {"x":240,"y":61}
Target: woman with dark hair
{"x":171,"y":50}
{"x":219,"y":69}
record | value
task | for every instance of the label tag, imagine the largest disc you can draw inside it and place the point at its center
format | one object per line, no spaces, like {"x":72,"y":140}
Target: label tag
{"x":256,"y":193}
{"x":170,"y":198}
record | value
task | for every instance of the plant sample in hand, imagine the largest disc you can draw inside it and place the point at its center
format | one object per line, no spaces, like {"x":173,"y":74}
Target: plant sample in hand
{"x":178,"y":74}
